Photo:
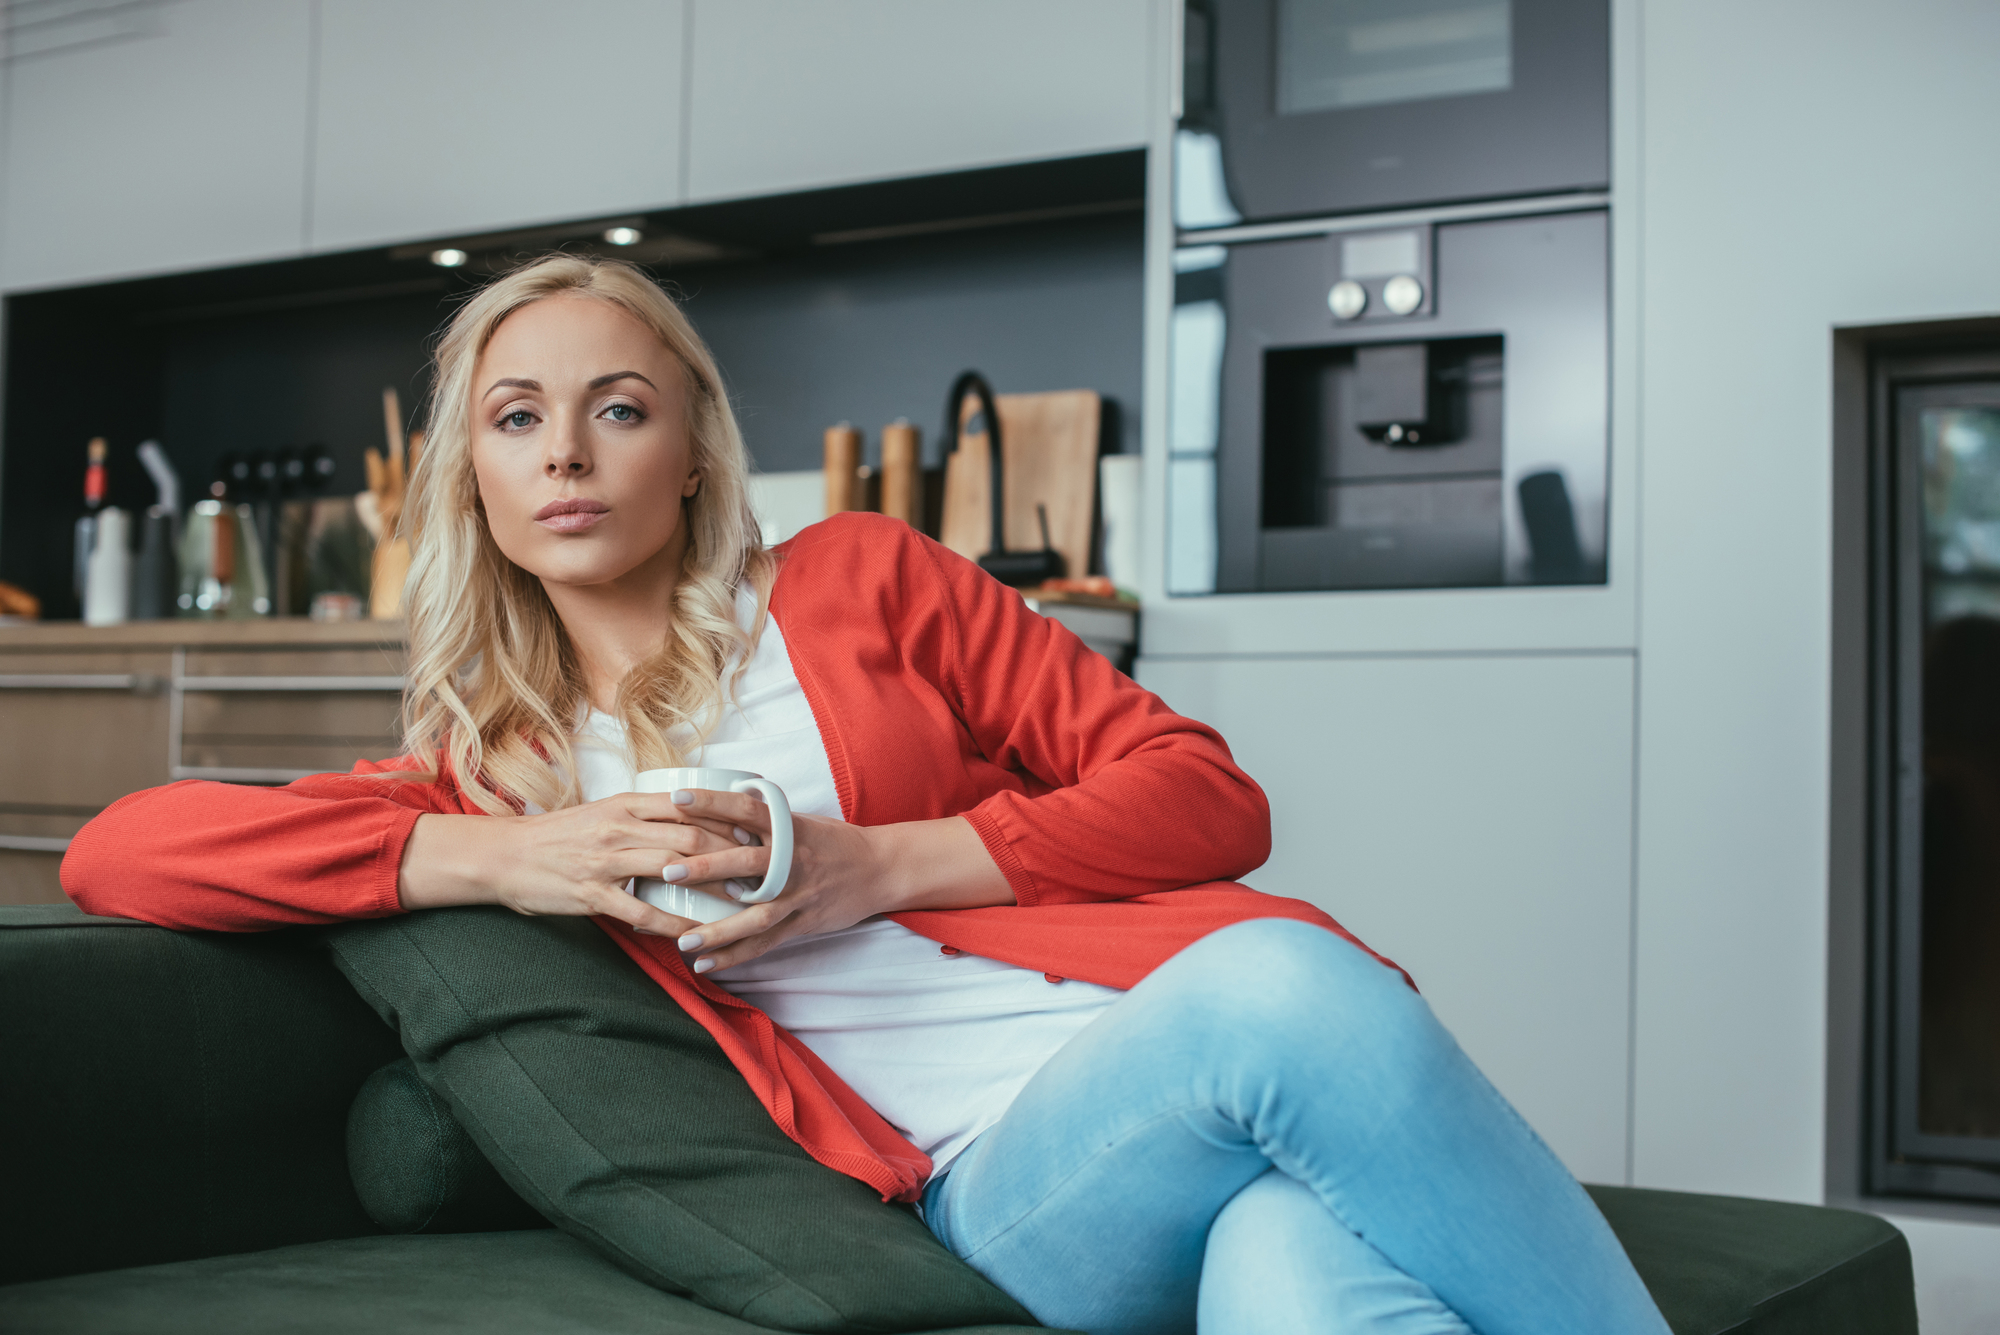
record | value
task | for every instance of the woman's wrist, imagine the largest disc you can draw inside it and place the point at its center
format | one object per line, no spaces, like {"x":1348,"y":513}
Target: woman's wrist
{"x":935,"y":864}
{"x":450,"y":860}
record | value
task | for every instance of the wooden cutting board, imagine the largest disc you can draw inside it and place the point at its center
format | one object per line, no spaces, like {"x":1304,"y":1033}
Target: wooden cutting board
{"x":1051,"y":443}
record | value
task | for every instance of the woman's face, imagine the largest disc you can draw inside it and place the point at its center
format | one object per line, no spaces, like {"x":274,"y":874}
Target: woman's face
{"x":580,"y":443}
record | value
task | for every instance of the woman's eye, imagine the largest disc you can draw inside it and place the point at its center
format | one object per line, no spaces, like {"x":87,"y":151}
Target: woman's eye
{"x":622,"y":412}
{"x":518,"y":420}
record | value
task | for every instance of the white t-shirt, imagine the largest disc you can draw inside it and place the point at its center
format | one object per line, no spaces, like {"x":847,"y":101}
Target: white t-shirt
{"x":938,"y":1044}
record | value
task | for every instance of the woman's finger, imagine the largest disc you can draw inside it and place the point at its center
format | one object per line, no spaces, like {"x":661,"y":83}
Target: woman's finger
{"x":682,"y":839}
{"x":705,"y":938}
{"x":658,"y":809}
{"x":741,"y":862}
{"x":636,"y":913}
{"x":724,"y":808}
{"x":749,"y":948}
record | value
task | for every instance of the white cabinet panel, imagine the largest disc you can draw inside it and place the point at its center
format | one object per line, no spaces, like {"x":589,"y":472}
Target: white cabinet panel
{"x":1471,"y":819}
{"x":178,"y":145}
{"x":793,"y":94}
{"x":441,"y":117}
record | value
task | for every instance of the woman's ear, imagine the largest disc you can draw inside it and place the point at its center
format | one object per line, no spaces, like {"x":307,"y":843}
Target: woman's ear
{"x":691,"y":486}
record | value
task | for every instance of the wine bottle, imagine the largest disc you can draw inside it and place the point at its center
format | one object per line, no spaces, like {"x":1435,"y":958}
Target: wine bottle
{"x":86,"y":525}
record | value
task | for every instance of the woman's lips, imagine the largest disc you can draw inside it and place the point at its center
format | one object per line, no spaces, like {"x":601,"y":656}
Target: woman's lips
{"x":574,"y":515}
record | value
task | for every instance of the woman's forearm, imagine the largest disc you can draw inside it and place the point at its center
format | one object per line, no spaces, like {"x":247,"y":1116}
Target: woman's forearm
{"x":452,"y":860}
{"x":937,"y":864}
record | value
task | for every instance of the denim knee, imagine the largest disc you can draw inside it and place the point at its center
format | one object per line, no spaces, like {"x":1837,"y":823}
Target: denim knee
{"x":1295,"y":986}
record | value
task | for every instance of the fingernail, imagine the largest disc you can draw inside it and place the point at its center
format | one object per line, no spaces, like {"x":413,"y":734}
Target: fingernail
{"x":683,"y":797}
{"x":692,"y":941}
{"x":677,"y":872}
{"x":703,"y":966}
{"x":744,"y":836}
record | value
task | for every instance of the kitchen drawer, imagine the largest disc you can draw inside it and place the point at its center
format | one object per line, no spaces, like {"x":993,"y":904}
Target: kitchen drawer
{"x":369,"y":661}
{"x":276,"y":762}
{"x":30,"y":878}
{"x":19,"y":667}
{"x":73,"y":747}
{"x":275,"y":717}
{"x":31,"y":849}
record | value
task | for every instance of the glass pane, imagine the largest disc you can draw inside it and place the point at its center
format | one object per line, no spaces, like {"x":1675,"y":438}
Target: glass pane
{"x":1358,"y":53}
{"x":1961,"y":460}
{"x":1959,"y":1047}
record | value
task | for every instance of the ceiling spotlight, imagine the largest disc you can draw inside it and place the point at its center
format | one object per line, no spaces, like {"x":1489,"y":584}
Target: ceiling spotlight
{"x":623,"y":236}
{"x":448,"y":258}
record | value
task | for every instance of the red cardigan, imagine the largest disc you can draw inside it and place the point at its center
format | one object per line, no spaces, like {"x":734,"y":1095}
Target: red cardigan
{"x":1118,"y":823}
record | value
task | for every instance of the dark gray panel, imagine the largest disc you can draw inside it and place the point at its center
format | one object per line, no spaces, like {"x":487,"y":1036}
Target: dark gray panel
{"x":869,"y":334}
{"x":1549,"y":131}
{"x":1538,"y":283}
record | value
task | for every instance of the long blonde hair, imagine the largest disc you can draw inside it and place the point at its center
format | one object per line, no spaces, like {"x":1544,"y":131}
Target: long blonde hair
{"x":495,"y":687}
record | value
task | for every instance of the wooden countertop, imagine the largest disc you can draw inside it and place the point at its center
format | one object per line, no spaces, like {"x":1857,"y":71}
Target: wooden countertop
{"x":253,"y":632}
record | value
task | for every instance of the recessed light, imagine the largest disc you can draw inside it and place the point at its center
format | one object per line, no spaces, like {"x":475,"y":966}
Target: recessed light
{"x":448,"y":258}
{"x":623,"y":236}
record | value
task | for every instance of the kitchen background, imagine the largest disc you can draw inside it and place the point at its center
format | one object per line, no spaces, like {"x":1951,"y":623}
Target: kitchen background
{"x":1616,"y":830}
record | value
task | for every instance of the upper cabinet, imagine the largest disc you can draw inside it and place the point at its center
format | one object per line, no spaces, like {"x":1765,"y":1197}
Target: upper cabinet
{"x":149,"y":137}
{"x":444,"y":117}
{"x":794,"y":94}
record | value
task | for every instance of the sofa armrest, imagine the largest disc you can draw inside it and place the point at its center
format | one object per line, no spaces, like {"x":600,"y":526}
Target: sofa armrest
{"x":172,"y":1095}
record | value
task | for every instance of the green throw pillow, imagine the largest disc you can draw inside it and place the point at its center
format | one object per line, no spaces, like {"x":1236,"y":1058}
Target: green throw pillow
{"x":616,"y":1116}
{"x":414,"y":1167}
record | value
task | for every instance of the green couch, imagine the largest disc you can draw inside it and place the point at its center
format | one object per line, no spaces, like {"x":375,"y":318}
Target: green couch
{"x":175,"y":1118}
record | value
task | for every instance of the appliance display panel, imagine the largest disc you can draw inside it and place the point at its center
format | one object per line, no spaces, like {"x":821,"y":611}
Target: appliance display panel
{"x":1302,"y":108}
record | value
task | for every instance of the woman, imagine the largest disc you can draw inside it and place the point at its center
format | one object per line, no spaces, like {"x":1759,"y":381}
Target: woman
{"x":1008,"y":976}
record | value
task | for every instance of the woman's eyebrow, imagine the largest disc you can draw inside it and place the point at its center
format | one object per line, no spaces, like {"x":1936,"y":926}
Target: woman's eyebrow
{"x":604,"y":380}
{"x":535,"y":385}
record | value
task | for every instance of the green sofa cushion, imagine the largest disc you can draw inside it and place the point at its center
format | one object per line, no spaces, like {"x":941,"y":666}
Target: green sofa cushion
{"x":538,"y":1282}
{"x":172,"y":1094}
{"x":414,"y":1167}
{"x":1719,"y":1264}
{"x":615,"y":1115}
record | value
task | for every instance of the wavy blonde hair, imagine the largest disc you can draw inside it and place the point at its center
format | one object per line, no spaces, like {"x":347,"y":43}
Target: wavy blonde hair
{"x":495,"y":687}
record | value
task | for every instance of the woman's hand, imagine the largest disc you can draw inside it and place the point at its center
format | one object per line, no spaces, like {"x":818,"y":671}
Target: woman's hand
{"x":840,"y":874}
{"x":574,"y":861}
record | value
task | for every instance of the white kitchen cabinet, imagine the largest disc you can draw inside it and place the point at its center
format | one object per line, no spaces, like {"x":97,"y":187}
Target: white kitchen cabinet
{"x":447,"y":117}
{"x":1470,"y":818}
{"x":795,"y":94}
{"x":155,"y":138}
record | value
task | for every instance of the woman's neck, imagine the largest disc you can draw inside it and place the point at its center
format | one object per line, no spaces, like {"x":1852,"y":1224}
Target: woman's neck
{"x":619,"y":624}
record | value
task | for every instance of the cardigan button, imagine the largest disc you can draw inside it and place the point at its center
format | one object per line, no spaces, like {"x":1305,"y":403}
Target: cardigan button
{"x":1051,"y":978}
{"x":949,"y":950}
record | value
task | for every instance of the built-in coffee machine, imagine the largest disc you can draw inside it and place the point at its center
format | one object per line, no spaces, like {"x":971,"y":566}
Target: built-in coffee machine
{"x":1365,"y":398}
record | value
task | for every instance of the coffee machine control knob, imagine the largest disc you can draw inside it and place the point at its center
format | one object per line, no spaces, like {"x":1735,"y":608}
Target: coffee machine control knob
{"x":1402,"y":294}
{"x":1347,"y":299}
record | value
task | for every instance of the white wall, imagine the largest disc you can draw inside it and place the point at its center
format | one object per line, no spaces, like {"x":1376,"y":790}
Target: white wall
{"x":1468,"y":816}
{"x":1805,"y":165}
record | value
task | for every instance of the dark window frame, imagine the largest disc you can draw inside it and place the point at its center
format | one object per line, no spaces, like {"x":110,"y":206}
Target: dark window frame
{"x":1900,"y":1159}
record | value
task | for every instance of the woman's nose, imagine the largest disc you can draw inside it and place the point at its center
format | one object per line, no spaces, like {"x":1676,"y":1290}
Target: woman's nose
{"x":564,"y":452}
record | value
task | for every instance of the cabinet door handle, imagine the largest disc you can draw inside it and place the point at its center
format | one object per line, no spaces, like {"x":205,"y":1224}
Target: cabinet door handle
{"x":198,"y":684}
{"x":139,"y":683}
{"x":32,"y":843}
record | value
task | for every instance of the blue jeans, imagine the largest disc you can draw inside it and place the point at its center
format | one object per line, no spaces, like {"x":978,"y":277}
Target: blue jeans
{"x":1272,"y":1133}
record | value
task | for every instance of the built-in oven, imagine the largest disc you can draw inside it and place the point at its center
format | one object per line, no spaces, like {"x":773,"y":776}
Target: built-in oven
{"x":1389,"y":346}
{"x":1416,"y":406}
{"x":1299,"y":108}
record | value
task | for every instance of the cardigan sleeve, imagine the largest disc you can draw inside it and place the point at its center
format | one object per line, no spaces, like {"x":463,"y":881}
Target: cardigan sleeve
{"x":1129,"y":797}
{"x":231,"y":858}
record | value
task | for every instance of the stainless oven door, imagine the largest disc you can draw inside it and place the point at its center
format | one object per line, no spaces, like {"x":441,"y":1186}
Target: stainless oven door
{"x":1323,"y":107}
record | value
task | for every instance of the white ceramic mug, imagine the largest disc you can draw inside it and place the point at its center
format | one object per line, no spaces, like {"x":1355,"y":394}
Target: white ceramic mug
{"x":685,"y":902}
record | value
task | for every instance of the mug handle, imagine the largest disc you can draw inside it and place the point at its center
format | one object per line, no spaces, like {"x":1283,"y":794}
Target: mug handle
{"x":780,"y":869}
